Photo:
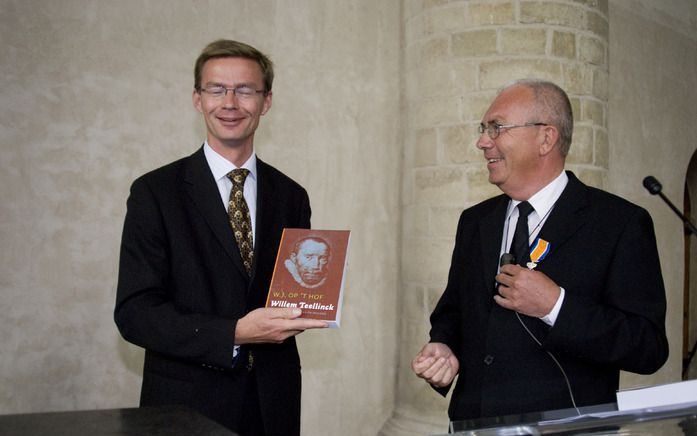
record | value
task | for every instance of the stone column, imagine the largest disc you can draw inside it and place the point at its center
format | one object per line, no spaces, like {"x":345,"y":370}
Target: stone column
{"x":457,"y":54}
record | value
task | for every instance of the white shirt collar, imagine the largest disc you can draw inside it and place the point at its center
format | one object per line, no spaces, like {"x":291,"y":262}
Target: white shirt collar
{"x":220,"y":166}
{"x":543,"y":200}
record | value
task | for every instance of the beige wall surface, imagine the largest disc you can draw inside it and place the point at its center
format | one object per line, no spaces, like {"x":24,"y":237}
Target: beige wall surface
{"x":652,"y":129}
{"x":95,"y":93}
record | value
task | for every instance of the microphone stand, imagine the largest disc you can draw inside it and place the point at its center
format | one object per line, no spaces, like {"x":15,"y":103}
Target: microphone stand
{"x":689,"y":227}
{"x":654,"y":187}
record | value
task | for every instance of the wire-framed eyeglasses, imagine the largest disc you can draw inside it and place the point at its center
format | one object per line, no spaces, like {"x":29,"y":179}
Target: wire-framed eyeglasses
{"x":494,"y":129}
{"x":219,"y":91}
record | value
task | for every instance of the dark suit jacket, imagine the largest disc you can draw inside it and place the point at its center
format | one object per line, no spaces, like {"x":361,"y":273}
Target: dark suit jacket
{"x":182,"y":287}
{"x":603,"y":253}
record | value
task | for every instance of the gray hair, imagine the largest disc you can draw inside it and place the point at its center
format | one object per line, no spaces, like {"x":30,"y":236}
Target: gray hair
{"x":552,"y":103}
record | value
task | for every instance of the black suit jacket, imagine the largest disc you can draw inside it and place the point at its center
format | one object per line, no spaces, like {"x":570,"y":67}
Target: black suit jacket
{"x":603,"y":253}
{"x":182,"y":287}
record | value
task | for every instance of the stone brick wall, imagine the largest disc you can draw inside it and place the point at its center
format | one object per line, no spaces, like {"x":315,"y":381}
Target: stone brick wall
{"x":458,"y":54}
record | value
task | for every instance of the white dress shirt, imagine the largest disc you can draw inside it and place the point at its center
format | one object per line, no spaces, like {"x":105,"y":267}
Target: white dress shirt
{"x":543,"y":202}
{"x":220,"y":167}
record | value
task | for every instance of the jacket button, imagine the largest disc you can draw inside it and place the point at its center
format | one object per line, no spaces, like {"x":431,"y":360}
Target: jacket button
{"x":489,"y":359}
{"x":250,"y":361}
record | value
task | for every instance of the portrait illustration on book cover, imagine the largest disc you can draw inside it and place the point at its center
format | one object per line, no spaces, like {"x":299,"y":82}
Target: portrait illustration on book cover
{"x":310,"y":272}
{"x":309,"y":261}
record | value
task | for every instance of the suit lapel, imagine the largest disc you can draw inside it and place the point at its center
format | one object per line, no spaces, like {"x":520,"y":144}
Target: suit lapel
{"x":265,"y":219}
{"x":491,"y":231}
{"x":203,"y":192}
{"x":569,"y":214}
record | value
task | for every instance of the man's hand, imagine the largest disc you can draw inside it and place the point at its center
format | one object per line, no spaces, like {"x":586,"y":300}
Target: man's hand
{"x":526,"y":291}
{"x":436,"y":364}
{"x":273,"y":325}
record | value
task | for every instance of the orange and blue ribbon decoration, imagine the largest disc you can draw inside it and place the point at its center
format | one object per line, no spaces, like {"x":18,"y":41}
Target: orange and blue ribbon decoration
{"x":539,"y":251}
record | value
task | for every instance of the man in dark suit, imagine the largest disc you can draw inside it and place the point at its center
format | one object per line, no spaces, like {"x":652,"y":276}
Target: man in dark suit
{"x":583,"y":300}
{"x":197,"y":255}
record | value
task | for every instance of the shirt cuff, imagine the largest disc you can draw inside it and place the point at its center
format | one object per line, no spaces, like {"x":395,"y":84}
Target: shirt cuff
{"x":551,"y":317}
{"x":235,"y":353}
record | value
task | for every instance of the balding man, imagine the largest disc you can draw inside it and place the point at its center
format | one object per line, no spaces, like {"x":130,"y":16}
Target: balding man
{"x":579,"y":296}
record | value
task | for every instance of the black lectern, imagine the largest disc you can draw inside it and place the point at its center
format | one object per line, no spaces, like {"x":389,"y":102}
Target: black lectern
{"x":146,"y":421}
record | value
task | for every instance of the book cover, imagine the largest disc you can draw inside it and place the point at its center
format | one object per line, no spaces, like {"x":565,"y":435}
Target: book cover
{"x":309,"y":273}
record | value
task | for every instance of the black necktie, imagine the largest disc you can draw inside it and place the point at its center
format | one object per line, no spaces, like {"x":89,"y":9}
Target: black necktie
{"x":520,"y":247}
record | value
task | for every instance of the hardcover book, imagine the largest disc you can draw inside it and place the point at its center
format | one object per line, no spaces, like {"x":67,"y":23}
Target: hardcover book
{"x":309,"y":273}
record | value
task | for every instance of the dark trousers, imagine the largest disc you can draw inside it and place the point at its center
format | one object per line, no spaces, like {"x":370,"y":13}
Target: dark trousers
{"x":251,"y":423}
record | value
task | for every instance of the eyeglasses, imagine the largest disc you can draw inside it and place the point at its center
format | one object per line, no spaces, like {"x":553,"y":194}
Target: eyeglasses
{"x":494,"y":129}
{"x":218,"y":91}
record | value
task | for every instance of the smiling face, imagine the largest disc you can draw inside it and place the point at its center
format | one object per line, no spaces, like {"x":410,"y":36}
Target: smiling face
{"x":515,"y":157}
{"x":231,"y":121}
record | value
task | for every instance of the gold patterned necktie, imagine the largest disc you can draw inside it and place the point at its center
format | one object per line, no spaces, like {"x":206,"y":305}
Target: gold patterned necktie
{"x":240,"y":220}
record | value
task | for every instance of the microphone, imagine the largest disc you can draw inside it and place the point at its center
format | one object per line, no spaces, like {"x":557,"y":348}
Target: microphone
{"x":507,"y":259}
{"x":654,"y":187}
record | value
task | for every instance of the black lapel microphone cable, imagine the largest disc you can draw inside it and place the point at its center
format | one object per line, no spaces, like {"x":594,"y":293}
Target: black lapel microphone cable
{"x":508,"y":259}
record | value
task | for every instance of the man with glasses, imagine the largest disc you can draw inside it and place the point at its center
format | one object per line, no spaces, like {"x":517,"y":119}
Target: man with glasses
{"x":554,"y":286}
{"x":197,"y":255}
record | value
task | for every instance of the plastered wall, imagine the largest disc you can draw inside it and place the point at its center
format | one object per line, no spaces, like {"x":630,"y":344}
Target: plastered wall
{"x":95,"y":93}
{"x":653,"y":60}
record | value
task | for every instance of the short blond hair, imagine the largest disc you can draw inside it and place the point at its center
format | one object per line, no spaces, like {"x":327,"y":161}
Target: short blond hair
{"x":226,"y":48}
